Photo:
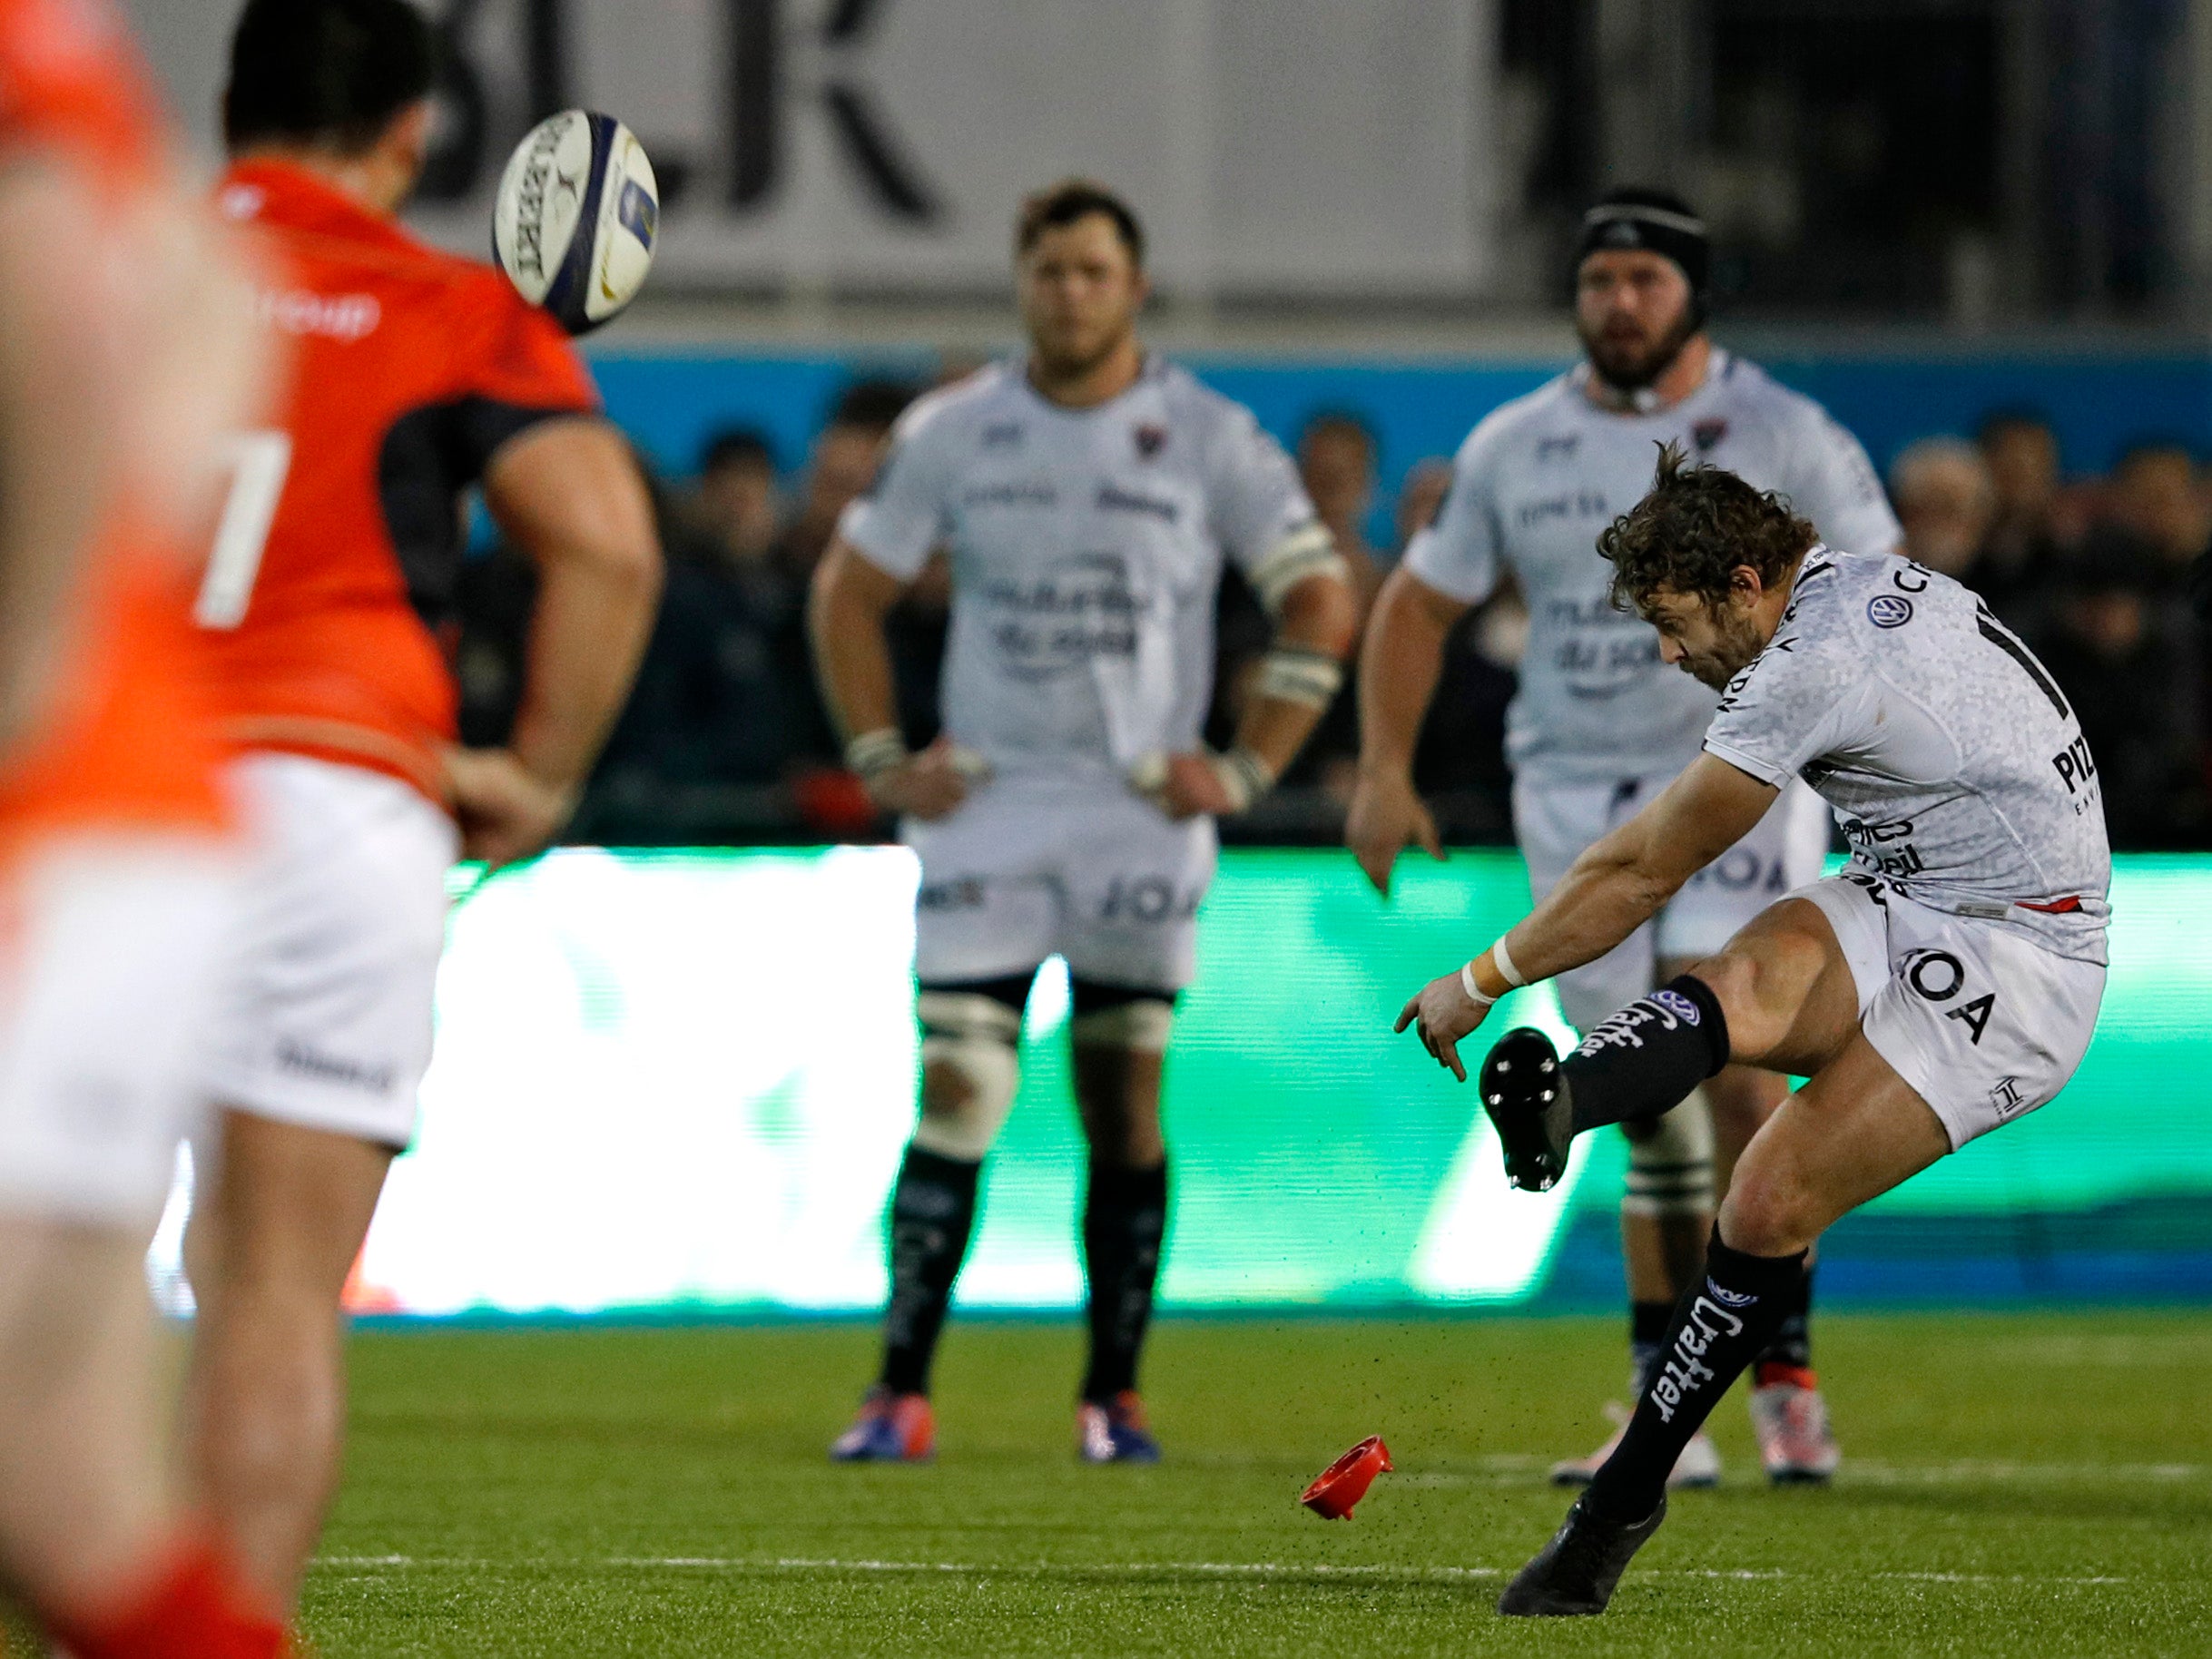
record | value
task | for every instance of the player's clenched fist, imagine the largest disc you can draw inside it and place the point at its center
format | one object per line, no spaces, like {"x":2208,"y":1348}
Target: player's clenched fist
{"x":1198,"y":782}
{"x":928,"y":785}
{"x":1387,"y":815}
{"x":1440,"y":1015}
{"x":505,"y":811}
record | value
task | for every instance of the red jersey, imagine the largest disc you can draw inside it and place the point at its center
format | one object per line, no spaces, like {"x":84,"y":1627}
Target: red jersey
{"x":125,"y":741}
{"x":331,"y":632}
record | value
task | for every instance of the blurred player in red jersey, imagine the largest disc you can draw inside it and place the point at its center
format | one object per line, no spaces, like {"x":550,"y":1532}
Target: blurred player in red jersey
{"x":327,"y":607}
{"x":124,"y":341}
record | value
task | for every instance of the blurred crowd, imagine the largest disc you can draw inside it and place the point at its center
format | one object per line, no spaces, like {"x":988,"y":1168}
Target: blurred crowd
{"x":726,"y":741}
{"x":2102,"y":577}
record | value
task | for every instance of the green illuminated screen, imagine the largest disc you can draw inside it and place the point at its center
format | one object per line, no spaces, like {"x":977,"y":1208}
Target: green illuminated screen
{"x":686,"y":1080}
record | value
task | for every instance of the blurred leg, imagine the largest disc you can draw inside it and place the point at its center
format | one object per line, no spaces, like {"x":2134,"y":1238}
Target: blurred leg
{"x":272,"y":1239}
{"x":970,"y":1071}
{"x":83,"y":1502}
{"x":1120,"y":1051}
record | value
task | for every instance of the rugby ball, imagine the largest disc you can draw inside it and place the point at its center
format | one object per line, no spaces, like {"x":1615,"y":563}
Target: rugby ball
{"x":575,"y":219}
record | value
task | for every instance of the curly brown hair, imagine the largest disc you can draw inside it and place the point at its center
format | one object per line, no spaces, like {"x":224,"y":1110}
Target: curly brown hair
{"x":1696,"y":526}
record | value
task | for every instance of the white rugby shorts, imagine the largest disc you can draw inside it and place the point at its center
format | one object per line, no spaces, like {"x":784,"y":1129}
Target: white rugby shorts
{"x":1555,"y":823}
{"x":1096,"y":874}
{"x":110,"y":945}
{"x":327,"y":1022}
{"x":1985,"y":1024}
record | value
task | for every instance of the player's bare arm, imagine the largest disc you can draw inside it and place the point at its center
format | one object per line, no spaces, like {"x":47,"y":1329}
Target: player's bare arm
{"x":1608,"y":893}
{"x":1315,"y":622}
{"x":201,"y":370}
{"x":59,"y":389}
{"x":851,"y":598}
{"x":569,"y":493}
{"x":1399,"y":663}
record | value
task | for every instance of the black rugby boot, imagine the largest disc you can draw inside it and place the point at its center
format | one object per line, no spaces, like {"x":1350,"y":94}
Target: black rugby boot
{"x":1575,"y":1572}
{"x":1527,"y":1097}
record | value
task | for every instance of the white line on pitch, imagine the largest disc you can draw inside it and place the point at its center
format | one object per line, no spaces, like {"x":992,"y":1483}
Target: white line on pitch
{"x":1513,"y":1470}
{"x":1215,"y":1570}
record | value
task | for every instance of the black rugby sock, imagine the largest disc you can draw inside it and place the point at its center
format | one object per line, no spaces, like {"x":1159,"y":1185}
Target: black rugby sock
{"x":1124,"y":1216}
{"x":933,"y":1212}
{"x":1723,"y":1320}
{"x":1647,"y":1323}
{"x":1790,"y":1347}
{"x":1646,"y":1059}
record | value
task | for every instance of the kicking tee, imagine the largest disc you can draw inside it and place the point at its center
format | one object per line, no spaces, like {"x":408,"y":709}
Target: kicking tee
{"x":1532,"y":487}
{"x":1086,"y":549}
{"x":1955,"y":766}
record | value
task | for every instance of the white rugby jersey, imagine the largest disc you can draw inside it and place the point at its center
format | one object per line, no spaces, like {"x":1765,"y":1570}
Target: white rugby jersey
{"x":1086,"y":549}
{"x":1532,"y":487}
{"x":1954,"y":765}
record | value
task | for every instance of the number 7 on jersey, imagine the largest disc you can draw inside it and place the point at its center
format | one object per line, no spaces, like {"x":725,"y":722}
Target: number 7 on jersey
{"x":259,"y":462}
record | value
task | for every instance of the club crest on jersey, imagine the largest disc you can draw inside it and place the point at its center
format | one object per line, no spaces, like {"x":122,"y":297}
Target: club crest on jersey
{"x":1889,"y":611}
{"x":1150,"y":441}
{"x":1707,"y":434}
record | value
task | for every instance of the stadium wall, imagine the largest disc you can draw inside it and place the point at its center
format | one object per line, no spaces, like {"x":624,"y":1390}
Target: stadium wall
{"x":677,"y":1085}
{"x":2099,"y":402}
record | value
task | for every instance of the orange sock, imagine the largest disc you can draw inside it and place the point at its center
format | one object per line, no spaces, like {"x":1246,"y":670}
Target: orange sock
{"x":1773,"y":1371}
{"x":192,"y":1608}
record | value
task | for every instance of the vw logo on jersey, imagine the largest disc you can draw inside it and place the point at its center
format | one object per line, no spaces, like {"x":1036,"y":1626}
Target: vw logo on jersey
{"x":1889,"y":611}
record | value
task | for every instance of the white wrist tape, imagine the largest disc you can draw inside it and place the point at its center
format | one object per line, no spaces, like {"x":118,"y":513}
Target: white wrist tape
{"x":1475,"y":993}
{"x":874,"y":753}
{"x":1503,"y":960}
{"x":1244,"y":774}
{"x":1300,"y":675}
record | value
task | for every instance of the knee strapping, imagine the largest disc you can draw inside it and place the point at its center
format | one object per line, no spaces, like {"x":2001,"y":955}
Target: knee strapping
{"x":1670,"y":1163}
{"x":974,"y":1038}
{"x":1140,"y":1025}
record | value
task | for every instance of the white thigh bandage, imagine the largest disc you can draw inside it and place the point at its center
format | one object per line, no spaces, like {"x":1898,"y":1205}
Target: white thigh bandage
{"x":974,"y":1038}
{"x":1141,"y":1026}
{"x":1670,"y":1169}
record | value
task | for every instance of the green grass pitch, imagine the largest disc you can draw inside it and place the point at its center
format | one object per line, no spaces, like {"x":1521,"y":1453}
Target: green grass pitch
{"x":2033,"y":1484}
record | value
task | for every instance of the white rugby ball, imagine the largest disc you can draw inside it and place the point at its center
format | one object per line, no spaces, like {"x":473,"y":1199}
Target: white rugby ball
{"x":575,"y":219}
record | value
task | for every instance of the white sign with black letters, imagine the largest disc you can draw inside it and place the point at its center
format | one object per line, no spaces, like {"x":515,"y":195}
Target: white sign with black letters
{"x":1274,"y":147}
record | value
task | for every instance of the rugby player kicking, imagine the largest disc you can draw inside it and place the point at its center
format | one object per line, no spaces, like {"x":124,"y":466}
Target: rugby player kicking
{"x":328,"y":606}
{"x":1599,"y":726}
{"x":126,"y":343}
{"x":1087,"y":496}
{"x":1946,"y":983}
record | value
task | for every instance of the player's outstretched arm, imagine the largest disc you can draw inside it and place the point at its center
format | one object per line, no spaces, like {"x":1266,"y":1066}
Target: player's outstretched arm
{"x":1399,"y":664}
{"x":851,"y":598}
{"x":569,"y":493}
{"x":1610,"y":891}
